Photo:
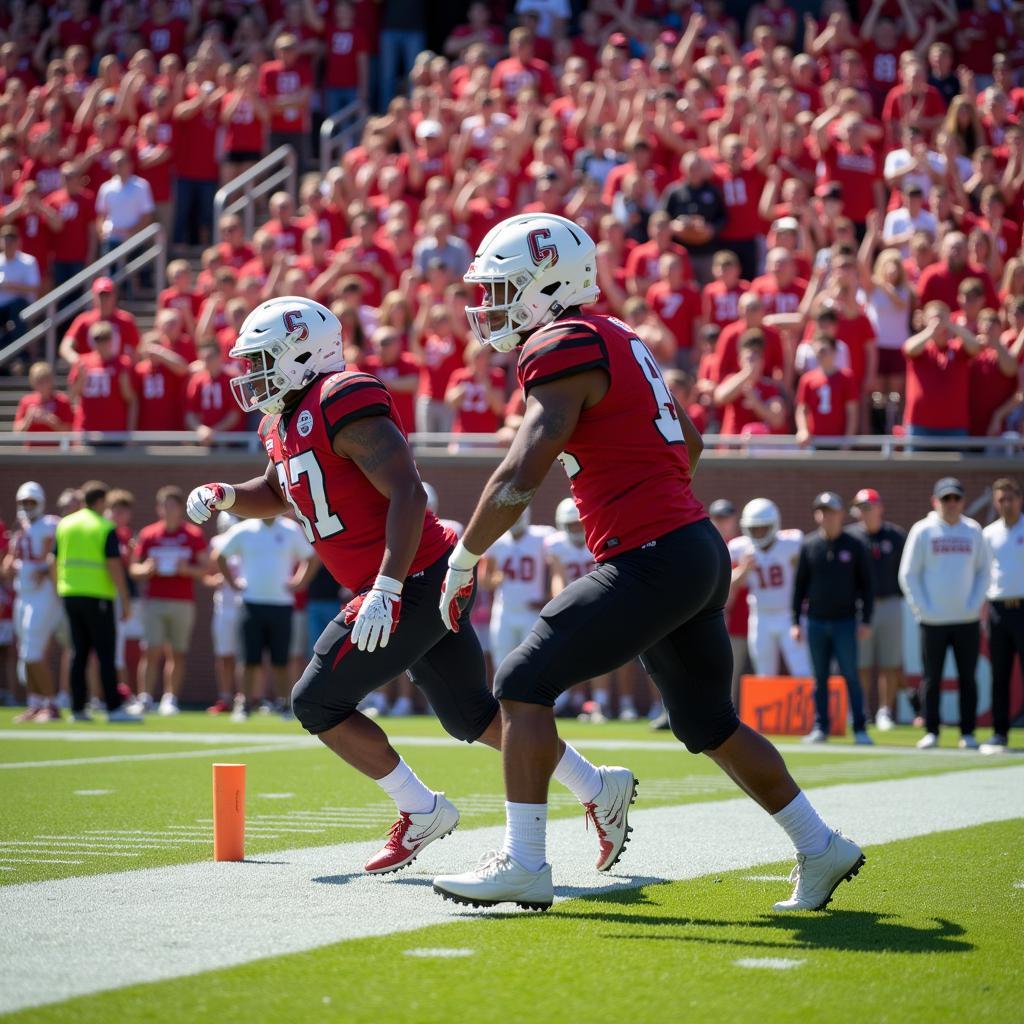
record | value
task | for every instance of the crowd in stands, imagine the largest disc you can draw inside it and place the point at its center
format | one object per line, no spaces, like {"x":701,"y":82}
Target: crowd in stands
{"x":813,"y":222}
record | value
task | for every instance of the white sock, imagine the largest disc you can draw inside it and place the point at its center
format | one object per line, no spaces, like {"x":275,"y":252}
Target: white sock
{"x":409,"y":794}
{"x":803,"y":825}
{"x":525,"y":831}
{"x":578,"y":775}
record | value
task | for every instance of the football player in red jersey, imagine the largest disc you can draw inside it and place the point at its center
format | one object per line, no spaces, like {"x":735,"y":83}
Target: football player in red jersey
{"x":340,"y":462}
{"x":597,"y":402}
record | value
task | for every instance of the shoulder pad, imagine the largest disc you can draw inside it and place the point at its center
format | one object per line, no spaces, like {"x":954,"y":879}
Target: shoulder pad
{"x":349,"y":396}
{"x":561,"y":349}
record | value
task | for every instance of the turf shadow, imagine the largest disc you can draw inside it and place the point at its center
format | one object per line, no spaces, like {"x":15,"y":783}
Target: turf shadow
{"x":848,"y":930}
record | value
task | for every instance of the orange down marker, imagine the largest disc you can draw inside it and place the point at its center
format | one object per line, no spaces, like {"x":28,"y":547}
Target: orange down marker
{"x":229,"y":812}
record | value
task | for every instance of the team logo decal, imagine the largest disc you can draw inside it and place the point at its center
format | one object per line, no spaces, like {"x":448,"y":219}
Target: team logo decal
{"x":294,"y":324}
{"x":304,"y":424}
{"x":541,"y":253}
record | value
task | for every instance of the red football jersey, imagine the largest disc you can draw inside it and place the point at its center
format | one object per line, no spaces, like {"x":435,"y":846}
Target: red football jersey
{"x":209,"y":397}
{"x":341,"y":512}
{"x":161,"y":397}
{"x":474,"y":415}
{"x":626,"y":460}
{"x":102,"y":405}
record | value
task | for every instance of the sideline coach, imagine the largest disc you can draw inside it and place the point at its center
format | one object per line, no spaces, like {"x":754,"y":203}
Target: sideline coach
{"x":1005,"y":542}
{"x":834,"y":575}
{"x":90,"y":575}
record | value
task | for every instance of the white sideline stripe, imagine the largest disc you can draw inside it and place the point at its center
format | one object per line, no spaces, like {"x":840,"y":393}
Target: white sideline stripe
{"x":25,"y":860}
{"x":54,"y":848}
{"x":439,"y":952}
{"x":301,"y":899}
{"x":772,"y":963}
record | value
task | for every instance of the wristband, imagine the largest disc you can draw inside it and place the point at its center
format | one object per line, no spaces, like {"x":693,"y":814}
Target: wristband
{"x":462,"y":559}
{"x":229,"y":497}
{"x":388,"y":585}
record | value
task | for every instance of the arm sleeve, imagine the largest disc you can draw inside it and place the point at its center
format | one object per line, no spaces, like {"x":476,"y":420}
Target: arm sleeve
{"x":353,"y":397}
{"x":560,"y":351}
{"x":800,"y":583}
{"x":911,"y":567}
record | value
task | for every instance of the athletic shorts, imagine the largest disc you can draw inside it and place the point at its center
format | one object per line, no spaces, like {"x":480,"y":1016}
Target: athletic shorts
{"x":167,"y":623}
{"x":36,"y":620}
{"x":447,"y":667}
{"x":266,"y":627}
{"x":225,"y":629}
{"x":883,"y":647}
{"x":665,"y":602}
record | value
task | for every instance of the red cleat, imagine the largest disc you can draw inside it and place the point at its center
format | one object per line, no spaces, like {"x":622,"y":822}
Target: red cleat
{"x":411,"y":834}
{"x":28,"y":715}
{"x":220,"y":707}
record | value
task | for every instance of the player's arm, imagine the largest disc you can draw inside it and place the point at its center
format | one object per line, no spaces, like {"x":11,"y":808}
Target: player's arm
{"x":694,"y":442}
{"x":380,"y":450}
{"x":259,"y":498}
{"x":553,"y":409}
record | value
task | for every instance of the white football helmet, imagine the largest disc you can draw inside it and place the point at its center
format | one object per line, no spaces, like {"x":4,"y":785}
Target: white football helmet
{"x":567,"y":519}
{"x":284,"y":344}
{"x":760,"y":514}
{"x":533,"y":266}
{"x":30,"y":500}
{"x":431,"y":496}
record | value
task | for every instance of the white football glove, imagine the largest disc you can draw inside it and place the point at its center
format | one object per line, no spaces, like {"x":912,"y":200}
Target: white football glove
{"x":457,"y":586}
{"x":203,"y":501}
{"x":374,"y":615}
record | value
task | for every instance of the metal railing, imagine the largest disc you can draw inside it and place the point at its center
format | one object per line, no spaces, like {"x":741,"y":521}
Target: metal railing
{"x":276,"y":170}
{"x":339,"y":133}
{"x":1010,"y":445}
{"x":142,"y":249}
{"x":77,"y":441}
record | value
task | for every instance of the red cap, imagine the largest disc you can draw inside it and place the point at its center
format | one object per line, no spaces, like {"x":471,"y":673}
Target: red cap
{"x":102,"y":284}
{"x":867,"y":496}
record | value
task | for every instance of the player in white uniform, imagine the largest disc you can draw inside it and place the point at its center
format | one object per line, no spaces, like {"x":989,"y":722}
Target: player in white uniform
{"x":38,"y":612}
{"x":765,"y":558}
{"x":227,"y":609}
{"x":517,"y":572}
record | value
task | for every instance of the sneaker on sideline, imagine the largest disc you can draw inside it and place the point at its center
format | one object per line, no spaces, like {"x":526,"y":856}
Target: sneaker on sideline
{"x":168,"y":705}
{"x":816,"y":735}
{"x":995,"y":744}
{"x":239,"y":710}
{"x":928,"y":741}
{"x":968,"y":742}
{"x":219,"y":707}
{"x":862,"y":739}
{"x":499,"y":879}
{"x":819,"y":876}
{"x":124,"y":714}
{"x":883,"y":720}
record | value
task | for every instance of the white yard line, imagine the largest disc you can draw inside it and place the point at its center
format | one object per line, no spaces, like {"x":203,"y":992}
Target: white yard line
{"x":292,"y":900}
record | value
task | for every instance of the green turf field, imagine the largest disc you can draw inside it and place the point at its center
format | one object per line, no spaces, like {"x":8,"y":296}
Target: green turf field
{"x":930,"y":930}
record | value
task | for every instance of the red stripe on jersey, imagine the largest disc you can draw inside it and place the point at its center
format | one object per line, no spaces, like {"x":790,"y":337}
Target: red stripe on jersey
{"x":547,"y":358}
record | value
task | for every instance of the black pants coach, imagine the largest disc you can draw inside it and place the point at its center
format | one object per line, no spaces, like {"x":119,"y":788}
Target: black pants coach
{"x":1005,"y":638}
{"x":965,"y":639}
{"x":91,"y":621}
{"x":663,"y":601}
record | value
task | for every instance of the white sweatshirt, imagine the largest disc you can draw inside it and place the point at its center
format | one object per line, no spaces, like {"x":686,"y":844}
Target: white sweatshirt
{"x":945,"y":569}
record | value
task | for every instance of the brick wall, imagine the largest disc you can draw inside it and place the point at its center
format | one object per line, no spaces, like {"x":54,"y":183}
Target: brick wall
{"x":904,"y":482}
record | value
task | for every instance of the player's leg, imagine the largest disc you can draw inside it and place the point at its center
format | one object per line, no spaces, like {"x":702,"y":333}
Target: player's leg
{"x":280,"y":625}
{"x":693,"y":669}
{"x":252,"y":647}
{"x":40,"y":620}
{"x":764,"y":649}
{"x":794,"y":651}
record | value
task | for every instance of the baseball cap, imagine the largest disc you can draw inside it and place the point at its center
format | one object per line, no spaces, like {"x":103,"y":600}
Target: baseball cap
{"x":720,"y":508}
{"x":828,"y":499}
{"x":429,"y":129}
{"x":102,"y":284}
{"x":786,"y":224}
{"x":867,"y":496}
{"x":948,"y":485}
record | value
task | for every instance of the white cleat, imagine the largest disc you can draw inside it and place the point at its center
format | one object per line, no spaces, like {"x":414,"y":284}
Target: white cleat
{"x":412,"y":834}
{"x":819,"y":876}
{"x":499,"y":879}
{"x":609,"y":811}
{"x":997,"y":744}
{"x":928,"y":741}
{"x":883,"y":720}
